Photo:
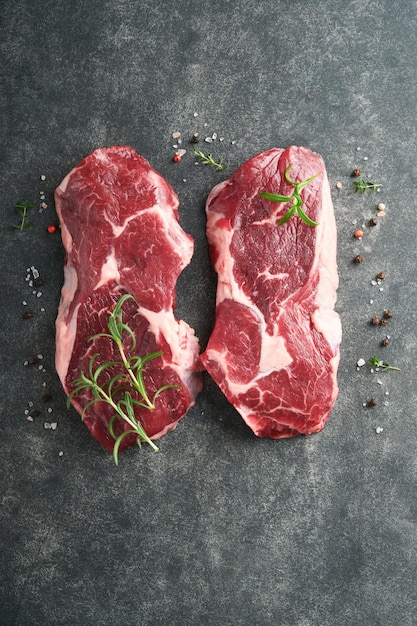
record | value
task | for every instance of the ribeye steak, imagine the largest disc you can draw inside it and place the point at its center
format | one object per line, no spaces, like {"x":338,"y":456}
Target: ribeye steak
{"x":120,"y":229}
{"x":274,"y":349}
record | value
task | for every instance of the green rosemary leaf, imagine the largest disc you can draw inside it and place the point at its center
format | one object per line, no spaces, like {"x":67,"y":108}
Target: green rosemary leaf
{"x":287,"y":216}
{"x":296,"y":199}
{"x":362,"y":186}
{"x":118,"y":442}
{"x":275,"y":197}
{"x":305,"y":218}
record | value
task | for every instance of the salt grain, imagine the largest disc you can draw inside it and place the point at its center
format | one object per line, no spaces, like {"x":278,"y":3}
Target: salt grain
{"x":208,"y":139}
{"x":360,"y":362}
{"x":60,"y":453}
{"x":54,"y":425}
{"x":339,"y":185}
{"x":29,"y":418}
{"x":43,"y":177}
{"x":176,"y":135}
{"x":378,"y":429}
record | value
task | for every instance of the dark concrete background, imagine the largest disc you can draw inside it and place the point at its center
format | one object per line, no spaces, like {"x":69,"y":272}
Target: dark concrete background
{"x":219,"y":528}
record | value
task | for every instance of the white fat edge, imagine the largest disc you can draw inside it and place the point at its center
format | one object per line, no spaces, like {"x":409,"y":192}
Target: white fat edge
{"x":109,"y":271}
{"x":65,"y":339}
{"x":66,"y":237}
{"x":66,"y":332}
{"x":178,"y":334}
{"x":325,"y":319}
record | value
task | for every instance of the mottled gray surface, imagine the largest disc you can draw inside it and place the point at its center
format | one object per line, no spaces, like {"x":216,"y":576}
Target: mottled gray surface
{"x":219,"y":528}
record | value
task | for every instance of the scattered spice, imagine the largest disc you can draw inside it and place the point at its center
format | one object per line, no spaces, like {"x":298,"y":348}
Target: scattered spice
{"x":358,"y":258}
{"x":375,"y":321}
{"x":339,"y":185}
{"x":385,"y":342}
{"x":384,"y":322}
{"x":195,"y":138}
{"x":372,"y":222}
{"x":176,"y":158}
{"x":372,"y":402}
{"x":356,"y":173}
{"x":381,"y":206}
{"x":388,"y":314}
{"x":358,"y":234}
{"x":27,"y":315}
{"x":51,"y":228}
{"x":381,"y":276}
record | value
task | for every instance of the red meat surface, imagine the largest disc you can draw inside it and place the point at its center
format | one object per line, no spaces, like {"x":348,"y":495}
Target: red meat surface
{"x":120,"y":229}
{"x":274,"y":349}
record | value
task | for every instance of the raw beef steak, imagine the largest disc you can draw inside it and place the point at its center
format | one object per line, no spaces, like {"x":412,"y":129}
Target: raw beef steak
{"x":274,"y":349}
{"x":120,"y":230}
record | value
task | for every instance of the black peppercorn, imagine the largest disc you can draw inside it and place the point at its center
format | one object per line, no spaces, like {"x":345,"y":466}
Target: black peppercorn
{"x":385,"y":342}
{"x":27,"y":315}
{"x":388,"y":314}
{"x":372,"y":402}
{"x":356,"y":172}
{"x":375,"y":321}
{"x":372,"y":222}
{"x":195,"y":138}
{"x":381,"y":276}
{"x":358,"y":258}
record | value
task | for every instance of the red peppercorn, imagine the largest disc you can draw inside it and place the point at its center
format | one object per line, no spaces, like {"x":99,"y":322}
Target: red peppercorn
{"x":176,"y":158}
{"x":358,"y":234}
{"x":51,"y":228}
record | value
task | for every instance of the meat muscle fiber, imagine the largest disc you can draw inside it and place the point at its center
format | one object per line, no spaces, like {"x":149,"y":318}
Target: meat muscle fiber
{"x":274,"y":349}
{"x":121,"y":233}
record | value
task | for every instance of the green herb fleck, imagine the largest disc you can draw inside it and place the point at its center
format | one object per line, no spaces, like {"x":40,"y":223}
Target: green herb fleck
{"x":296,"y":199}
{"x":22,"y":210}
{"x":126,"y":389}
{"x":208,"y":160}
{"x":362,"y":186}
{"x":382,"y":365}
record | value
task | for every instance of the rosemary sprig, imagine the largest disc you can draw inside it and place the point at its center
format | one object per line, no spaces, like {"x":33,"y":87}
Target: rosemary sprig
{"x":208,"y":160}
{"x":117,"y":391}
{"x":382,"y":365}
{"x":362,"y":186}
{"x":296,"y":199}
{"x":22,"y":210}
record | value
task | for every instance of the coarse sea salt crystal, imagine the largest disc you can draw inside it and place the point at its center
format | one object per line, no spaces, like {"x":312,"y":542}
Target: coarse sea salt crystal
{"x":360,"y":362}
{"x":378,"y":429}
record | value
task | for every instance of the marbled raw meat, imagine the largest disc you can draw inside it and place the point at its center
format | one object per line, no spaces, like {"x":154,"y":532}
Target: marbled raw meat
{"x":274,"y":349}
{"x":120,"y":229}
